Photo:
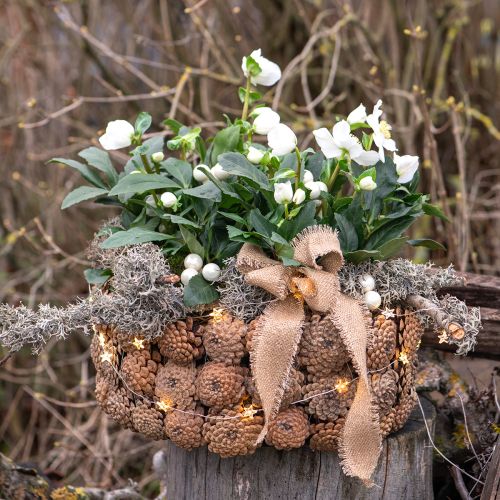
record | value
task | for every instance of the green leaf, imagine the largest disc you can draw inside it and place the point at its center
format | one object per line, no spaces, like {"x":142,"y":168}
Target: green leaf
{"x":252,"y":95}
{"x":347,"y":233}
{"x":427,"y":243}
{"x":236,"y":234}
{"x":237,"y":164}
{"x":88,"y":174}
{"x":391,"y":247}
{"x":359,"y":256}
{"x":260,"y":224}
{"x":191,"y":241}
{"x":207,"y":191}
{"x":291,"y":228}
{"x":181,"y":221}
{"x":97,"y":276}
{"x":180,"y":170}
{"x":435,"y":211}
{"x":143,"y":122}
{"x":173,"y":125}
{"x":133,"y":236}
{"x":234,"y":217}
{"x":199,"y":291}
{"x":140,"y":183}
{"x":225,"y":140}
{"x":388,"y":232}
{"x":369,"y":172}
{"x":80,"y":194}
{"x":100,"y":159}
{"x":252,"y":66}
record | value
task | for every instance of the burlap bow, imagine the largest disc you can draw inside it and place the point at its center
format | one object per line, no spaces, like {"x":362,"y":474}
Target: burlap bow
{"x":278,"y":335}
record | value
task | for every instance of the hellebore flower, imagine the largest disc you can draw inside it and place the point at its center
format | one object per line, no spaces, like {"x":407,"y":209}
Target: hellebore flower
{"x":406,"y":166}
{"x":281,"y":140}
{"x":269,"y":74}
{"x":265,"y":120}
{"x":118,"y":135}
{"x":357,"y":115}
{"x":367,"y":184}
{"x":381,"y":131}
{"x":283,"y":192}
{"x":255,"y":155}
{"x":299,"y":196}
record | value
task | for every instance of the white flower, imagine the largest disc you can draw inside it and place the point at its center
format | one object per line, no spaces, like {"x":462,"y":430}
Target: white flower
{"x":255,"y":155}
{"x":283,"y":192}
{"x":211,"y":272}
{"x":307,"y":176}
{"x":299,"y":196}
{"x":406,"y":166}
{"x":357,"y":115}
{"x":281,"y":140}
{"x":316,"y":187}
{"x":372,"y":300}
{"x":187,"y":274}
{"x":168,"y":199}
{"x":198,"y":173}
{"x":158,"y":156}
{"x":193,"y":261}
{"x":270,"y":72}
{"x":219,"y":173}
{"x":118,"y":135}
{"x":381,"y":131}
{"x":367,"y":184}
{"x":341,"y":141}
{"x":265,"y":120}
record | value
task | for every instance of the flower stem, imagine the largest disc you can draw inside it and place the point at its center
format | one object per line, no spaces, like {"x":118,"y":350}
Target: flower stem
{"x":299,"y":168}
{"x":286,"y":211}
{"x":333,"y":177}
{"x":149,"y":170}
{"x":244,"y":114}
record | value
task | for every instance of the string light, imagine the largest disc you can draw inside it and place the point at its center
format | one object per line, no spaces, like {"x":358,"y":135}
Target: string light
{"x":102,"y":339}
{"x":443,"y":338}
{"x":247,"y":412}
{"x":342,"y":385}
{"x":388,"y":313}
{"x":403,"y":357}
{"x":164,"y":405}
{"x":138,"y":343}
{"x":107,"y":355}
{"x":217,"y":314}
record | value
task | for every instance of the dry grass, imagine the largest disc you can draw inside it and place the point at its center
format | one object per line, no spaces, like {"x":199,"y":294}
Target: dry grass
{"x":68,"y":67}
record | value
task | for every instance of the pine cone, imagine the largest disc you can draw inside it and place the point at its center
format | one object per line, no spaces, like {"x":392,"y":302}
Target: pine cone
{"x":289,"y":429}
{"x":104,"y":353}
{"x":128,"y":342}
{"x":293,"y":389}
{"x":175,"y":383}
{"x":334,"y":404}
{"x":219,"y":385}
{"x":250,"y":333}
{"x":139,"y":369}
{"x":224,"y":339}
{"x":233,"y":436}
{"x":385,"y":390}
{"x":412,"y":333}
{"x":149,"y":421}
{"x":114,"y":401}
{"x":180,"y":343}
{"x":321,"y":349}
{"x":325,"y":435}
{"x":398,"y":415}
{"x":382,"y":344}
{"x":185,"y":430}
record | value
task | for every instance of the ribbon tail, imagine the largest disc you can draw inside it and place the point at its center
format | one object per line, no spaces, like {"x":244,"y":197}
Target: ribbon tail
{"x":361,"y":441}
{"x":275,"y":344}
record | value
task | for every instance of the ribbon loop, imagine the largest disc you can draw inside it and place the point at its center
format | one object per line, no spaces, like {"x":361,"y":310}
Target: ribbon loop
{"x":278,"y":334}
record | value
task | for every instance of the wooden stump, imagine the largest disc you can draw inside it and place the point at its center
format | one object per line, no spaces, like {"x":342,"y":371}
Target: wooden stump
{"x":404,"y":471}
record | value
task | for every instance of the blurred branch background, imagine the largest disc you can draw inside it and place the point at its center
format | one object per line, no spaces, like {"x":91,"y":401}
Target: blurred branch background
{"x":67,"y":68}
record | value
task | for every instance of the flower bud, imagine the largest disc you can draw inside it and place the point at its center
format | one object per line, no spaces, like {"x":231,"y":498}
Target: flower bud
{"x":219,"y":173}
{"x":367,"y":184}
{"x":281,"y":140}
{"x":358,"y":115}
{"x":283,"y":193}
{"x":255,"y":155}
{"x":168,"y":199}
{"x":316,"y":187}
{"x":269,"y":74}
{"x":307,"y":177}
{"x":299,"y":196}
{"x":199,"y":175}
{"x":406,"y":166}
{"x":265,"y":121}
{"x":158,"y":156}
{"x":118,"y":135}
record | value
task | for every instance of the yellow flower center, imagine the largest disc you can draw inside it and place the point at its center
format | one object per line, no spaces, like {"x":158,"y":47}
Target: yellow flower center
{"x":385,"y":129}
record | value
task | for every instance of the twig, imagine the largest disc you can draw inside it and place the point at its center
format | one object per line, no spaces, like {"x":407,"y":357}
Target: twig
{"x":459,"y":483}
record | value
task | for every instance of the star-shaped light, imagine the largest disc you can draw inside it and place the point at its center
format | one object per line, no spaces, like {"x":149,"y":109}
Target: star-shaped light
{"x":247,"y":412}
{"x":217,"y":314}
{"x":164,"y":405}
{"x":443,"y":338}
{"x":388,"y":313}
{"x":138,"y":343}
{"x":342,"y":385}
{"x":107,"y":356}
{"x":403,"y":357}
{"x":102,"y":339}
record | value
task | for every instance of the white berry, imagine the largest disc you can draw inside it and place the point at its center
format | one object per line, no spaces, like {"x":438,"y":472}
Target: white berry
{"x":187,"y":274}
{"x":198,"y":173}
{"x":168,"y":199}
{"x":367,"y":282}
{"x":211,"y":272}
{"x":193,"y":261}
{"x":373,"y":300}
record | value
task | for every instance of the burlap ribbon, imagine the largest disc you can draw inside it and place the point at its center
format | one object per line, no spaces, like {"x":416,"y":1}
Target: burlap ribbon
{"x":278,"y":334}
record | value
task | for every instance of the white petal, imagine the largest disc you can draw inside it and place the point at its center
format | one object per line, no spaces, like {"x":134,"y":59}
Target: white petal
{"x":299,"y":196}
{"x":325,"y":141}
{"x":266,"y":121}
{"x":390,"y":145}
{"x":281,"y":140}
{"x":357,"y":115}
{"x":406,"y":166}
{"x":118,"y":135}
{"x":366,"y":158}
{"x":372,"y":120}
{"x":341,"y":130}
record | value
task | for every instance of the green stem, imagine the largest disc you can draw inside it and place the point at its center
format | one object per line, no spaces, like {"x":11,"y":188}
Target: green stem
{"x":286,"y":211}
{"x":183,"y":153}
{"x":244,"y":114}
{"x":299,"y":168}
{"x":333,"y":177}
{"x":149,"y":170}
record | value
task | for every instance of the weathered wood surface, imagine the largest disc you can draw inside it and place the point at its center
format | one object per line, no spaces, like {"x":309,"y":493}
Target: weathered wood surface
{"x":404,"y":471}
{"x":479,"y":291}
{"x":491,"y":490}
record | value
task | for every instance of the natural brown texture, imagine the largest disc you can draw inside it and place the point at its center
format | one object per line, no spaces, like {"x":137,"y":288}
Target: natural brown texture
{"x":235,"y":436}
{"x":224,"y":339}
{"x":289,"y":429}
{"x":325,"y":435}
{"x":180,"y":343}
{"x":322,"y":351}
{"x":385,"y":390}
{"x":175,"y":384}
{"x":218,"y":385}
{"x":114,"y":401}
{"x":149,"y":421}
{"x":382,"y":344}
{"x":104,"y":354}
{"x":185,"y":430}
{"x":139,"y":369}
